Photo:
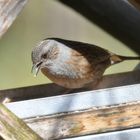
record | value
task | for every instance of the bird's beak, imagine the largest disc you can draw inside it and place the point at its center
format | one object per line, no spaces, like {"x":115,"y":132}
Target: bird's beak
{"x":36,"y":68}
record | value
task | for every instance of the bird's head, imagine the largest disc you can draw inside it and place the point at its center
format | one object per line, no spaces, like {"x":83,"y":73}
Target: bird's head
{"x":44,"y":54}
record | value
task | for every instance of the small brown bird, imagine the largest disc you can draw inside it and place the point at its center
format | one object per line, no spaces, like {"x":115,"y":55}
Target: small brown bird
{"x":73,"y":64}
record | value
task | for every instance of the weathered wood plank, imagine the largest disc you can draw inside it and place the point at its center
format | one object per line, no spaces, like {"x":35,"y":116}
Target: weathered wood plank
{"x":12,"y":128}
{"x":9,"y":9}
{"x":94,"y":120}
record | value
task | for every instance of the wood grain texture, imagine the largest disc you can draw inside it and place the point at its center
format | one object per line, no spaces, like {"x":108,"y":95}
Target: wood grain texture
{"x":94,"y":120}
{"x":9,"y":9}
{"x":12,"y":128}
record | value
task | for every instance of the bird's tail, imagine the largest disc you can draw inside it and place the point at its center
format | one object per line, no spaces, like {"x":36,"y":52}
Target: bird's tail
{"x":118,"y":58}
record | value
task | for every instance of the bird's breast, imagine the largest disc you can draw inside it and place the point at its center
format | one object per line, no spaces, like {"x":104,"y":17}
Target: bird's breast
{"x":65,"y":81}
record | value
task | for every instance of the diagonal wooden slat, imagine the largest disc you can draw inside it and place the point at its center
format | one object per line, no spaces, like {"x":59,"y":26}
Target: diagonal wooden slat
{"x":9,"y":9}
{"x":13,"y":128}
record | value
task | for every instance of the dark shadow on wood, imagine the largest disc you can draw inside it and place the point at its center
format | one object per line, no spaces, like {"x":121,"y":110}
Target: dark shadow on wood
{"x":137,"y":67}
{"x":47,"y":90}
{"x":118,"y":17}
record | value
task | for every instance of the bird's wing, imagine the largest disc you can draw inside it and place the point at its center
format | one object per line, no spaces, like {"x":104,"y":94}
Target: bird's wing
{"x":89,"y":51}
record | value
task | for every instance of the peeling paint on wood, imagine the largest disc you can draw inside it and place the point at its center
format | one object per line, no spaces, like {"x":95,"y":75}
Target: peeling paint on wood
{"x":94,"y":120}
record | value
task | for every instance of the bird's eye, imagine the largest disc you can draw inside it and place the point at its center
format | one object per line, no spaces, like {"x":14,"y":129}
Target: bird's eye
{"x":44,"y":56}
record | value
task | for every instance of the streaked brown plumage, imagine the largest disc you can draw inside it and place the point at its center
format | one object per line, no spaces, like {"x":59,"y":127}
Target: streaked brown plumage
{"x":73,"y":64}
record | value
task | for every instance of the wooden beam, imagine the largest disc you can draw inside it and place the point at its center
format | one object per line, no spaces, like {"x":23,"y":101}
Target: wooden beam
{"x":46,"y":90}
{"x":91,"y":121}
{"x":12,"y":128}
